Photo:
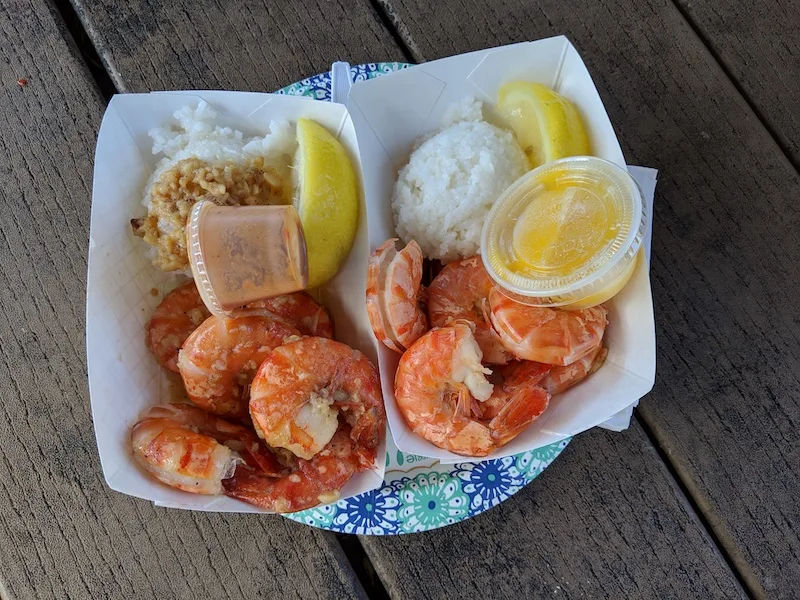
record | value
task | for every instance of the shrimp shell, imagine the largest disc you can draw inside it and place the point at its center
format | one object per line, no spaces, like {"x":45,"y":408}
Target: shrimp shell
{"x":459,"y":291}
{"x":513,"y":375}
{"x":179,"y":456}
{"x":300,"y":311}
{"x":301,"y":386}
{"x":549,"y":335}
{"x":560,"y":378}
{"x":237,"y":437}
{"x":441,"y":389}
{"x":178,"y":315}
{"x":394,"y":295}
{"x":220,"y":358}
{"x":316,"y":481}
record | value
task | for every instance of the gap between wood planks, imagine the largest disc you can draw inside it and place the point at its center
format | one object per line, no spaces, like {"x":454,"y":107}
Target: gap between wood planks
{"x":744,"y":576}
{"x":407,"y":47}
{"x":739,"y":88}
{"x":94,"y":64}
{"x":351,"y":546}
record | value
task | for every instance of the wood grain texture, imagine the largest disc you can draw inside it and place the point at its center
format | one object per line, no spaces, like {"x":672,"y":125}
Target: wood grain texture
{"x":602,"y":522}
{"x":759,"y":45}
{"x":63,"y":533}
{"x":726,"y":255}
{"x":236,"y":45}
{"x":167,"y":46}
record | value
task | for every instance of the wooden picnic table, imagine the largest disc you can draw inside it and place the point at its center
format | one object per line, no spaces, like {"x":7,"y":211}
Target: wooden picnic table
{"x":699,"y":498}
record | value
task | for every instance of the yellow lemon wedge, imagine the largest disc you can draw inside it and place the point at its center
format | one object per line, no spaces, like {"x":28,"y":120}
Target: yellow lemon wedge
{"x":326,"y":198}
{"x":547,"y":126}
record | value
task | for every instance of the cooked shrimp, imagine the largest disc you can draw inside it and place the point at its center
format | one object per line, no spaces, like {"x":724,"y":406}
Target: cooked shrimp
{"x":316,"y":481}
{"x":511,"y":376}
{"x":553,"y":379}
{"x":182,"y":458}
{"x":220,"y":358}
{"x":560,"y":378}
{"x":441,"y":389}
{"x":394,"y":295}
{"x":459,"y":291}
{"x":549,"y":335}
{"x":301,"y":311}
{"x":237,"y":437}
{"x":189,"y":449}
{"x":301,"y":388}
{"x":178,"y":315}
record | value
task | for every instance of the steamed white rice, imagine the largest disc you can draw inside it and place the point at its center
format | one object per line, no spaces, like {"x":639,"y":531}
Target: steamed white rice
{"x":197,"y":135}
{"x":444,"y":193}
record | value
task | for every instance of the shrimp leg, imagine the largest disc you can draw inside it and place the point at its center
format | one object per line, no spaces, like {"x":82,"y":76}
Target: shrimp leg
{"x":522,"y":409}
{"x":316,"y":481}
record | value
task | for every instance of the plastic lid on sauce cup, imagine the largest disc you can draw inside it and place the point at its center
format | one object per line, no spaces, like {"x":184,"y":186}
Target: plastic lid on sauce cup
{"x":241,"y":254}
{"x":565,"y":234}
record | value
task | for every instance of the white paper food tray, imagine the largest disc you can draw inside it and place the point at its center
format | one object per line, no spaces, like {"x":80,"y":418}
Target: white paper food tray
{"x":124,"y":379}
{"x":390,"y":112}
{"x":387,"y":115}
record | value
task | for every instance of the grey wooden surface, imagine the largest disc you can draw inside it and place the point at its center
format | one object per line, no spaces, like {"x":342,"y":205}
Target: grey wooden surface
{"x":563,"y":534}
{"x":759,"y":46}
{"x":247,"y":45}
{"x":726,"y":255}
{"x":63,"y":533}
{"x":608,"y":519}
{"x":604,"y":521}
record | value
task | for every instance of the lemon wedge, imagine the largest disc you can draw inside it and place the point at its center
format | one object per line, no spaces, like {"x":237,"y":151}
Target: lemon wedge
{"x":547,"y":126}
{"x":326,"y":198}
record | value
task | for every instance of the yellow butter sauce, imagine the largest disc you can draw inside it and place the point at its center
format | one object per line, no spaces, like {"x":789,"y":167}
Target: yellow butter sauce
{"x":566,"y":234}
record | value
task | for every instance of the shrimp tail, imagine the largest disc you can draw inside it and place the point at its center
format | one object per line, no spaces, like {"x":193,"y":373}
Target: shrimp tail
{"x":560,"y":379}
{"x":524,"y":407}
{"x":236,"y":437}
{"x":366,"y":431}
{"x":523,"y":372}
{"x":253,"y":487}
{"x":305,"y":488}
{"x":365,"y":458}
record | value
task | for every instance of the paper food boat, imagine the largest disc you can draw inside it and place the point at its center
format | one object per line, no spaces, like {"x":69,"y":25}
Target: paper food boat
{"x":385,"y":116}
{"x":390,"y":112}
{"x":124,"y":379}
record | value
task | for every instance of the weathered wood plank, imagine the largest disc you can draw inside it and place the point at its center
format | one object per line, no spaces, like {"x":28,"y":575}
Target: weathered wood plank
{"x":726,"y":255}
{"x":237,"y":45}
{"x":604,"y":521}
{"x":125,"y":58}
{"x":63,"y":534}
{"x":759,"y":44}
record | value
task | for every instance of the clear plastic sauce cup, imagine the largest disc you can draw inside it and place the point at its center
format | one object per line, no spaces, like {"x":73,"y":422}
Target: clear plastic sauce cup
{"x":566,"y":234}
{"x":240,"y":254}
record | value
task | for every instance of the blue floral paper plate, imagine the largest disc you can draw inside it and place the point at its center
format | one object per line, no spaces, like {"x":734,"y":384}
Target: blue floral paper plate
{"x":419,"y":493}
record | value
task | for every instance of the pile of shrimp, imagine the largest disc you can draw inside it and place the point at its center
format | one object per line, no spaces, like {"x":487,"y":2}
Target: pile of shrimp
{"x":281,"y":415}
{"x":462,"y":329}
